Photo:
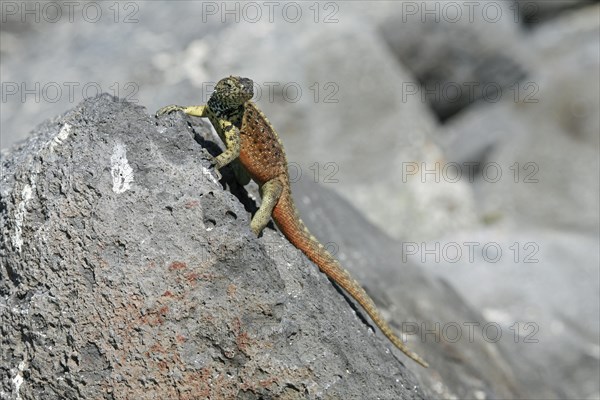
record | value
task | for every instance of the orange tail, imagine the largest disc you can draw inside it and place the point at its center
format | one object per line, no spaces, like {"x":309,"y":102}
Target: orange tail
{"x":288,"y":220}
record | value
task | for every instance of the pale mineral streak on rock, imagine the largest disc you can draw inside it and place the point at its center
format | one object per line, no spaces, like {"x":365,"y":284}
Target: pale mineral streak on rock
{"x":121,"y":171}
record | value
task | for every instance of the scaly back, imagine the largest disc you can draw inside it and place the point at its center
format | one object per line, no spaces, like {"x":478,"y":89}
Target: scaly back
{"x":262,"y":153}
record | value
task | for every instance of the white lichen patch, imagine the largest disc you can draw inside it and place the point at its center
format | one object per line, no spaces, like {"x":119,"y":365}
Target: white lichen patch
{"x":60,"y":138}
{"x":20,"y":211}
{"x":121,"y":171}
{"x":17,"y":379}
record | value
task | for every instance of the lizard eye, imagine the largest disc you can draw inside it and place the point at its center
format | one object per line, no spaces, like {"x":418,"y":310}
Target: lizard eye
{"x":247,"y":86}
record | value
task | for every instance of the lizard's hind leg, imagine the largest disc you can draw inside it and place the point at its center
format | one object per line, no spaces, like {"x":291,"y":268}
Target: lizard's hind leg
{"x":270,"y":193}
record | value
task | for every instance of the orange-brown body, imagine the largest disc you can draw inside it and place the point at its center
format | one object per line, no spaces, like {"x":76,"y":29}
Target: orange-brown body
{"x":261,"y":152}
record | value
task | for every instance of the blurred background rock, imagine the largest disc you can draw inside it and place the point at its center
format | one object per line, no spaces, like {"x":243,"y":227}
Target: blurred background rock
{"x":369,"y":98}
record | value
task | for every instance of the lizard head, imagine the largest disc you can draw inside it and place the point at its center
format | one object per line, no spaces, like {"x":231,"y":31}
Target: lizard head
{"x":234,"y":91}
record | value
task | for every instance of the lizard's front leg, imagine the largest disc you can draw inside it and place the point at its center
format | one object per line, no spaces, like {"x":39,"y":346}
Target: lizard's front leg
{"x":230,"y":134}
{"x":270,"y":193}
{"x":195,"y":111}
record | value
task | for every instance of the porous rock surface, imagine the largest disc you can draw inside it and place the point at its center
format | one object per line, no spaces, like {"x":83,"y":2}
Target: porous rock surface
{"x":128,"y":272}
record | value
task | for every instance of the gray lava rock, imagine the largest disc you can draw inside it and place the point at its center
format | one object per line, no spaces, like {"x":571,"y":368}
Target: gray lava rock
{"x":460,"y":52}
{"x":540,"y":288}
{"x":128,"y":272}
{"x":536,"y":11}
{"x":567,"y":62}
{"x":549,"y":151}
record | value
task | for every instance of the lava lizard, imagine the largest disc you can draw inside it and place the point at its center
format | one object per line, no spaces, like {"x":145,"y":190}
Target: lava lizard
{"x":256,"y":152}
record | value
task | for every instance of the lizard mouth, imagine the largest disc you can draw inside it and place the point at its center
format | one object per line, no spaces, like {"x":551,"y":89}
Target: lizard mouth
{"x":247,"y":86}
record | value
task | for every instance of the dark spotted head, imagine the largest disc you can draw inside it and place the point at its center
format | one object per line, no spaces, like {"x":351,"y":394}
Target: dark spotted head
{"x":230,"y":93}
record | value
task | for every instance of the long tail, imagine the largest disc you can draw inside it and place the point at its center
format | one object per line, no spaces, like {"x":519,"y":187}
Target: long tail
{"x":288,"y":220}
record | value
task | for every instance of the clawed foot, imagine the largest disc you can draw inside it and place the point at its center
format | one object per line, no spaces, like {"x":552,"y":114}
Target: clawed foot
{"x":213,"y":169}
{"x":169,"y":109}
